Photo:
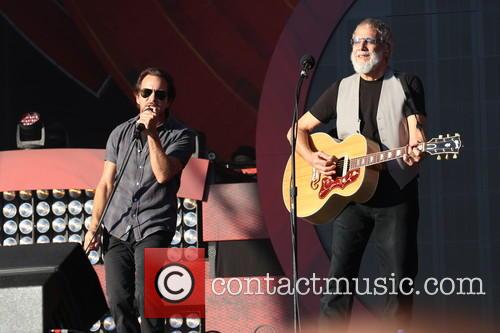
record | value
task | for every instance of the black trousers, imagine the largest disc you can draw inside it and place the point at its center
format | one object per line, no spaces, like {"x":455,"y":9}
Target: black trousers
{"x":394,"y":232}
{"x":124,"y":266}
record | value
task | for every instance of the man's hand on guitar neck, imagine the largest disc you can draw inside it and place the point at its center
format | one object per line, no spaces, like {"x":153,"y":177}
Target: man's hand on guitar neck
{"x":324,"y":163}
{"x":414,"y":154}
{"x":417,"y":137}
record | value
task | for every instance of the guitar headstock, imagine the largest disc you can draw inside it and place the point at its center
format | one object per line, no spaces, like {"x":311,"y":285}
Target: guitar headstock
{"x":444,"y":145}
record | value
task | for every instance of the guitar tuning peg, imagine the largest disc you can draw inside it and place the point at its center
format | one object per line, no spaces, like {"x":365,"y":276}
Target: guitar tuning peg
{"x":456,"y":134}
{"x":440,"y":136}
{"x":455,"y":156}
{"x":446,"y":156}
{"x":439,"y":157}
{"x":448,"y":135}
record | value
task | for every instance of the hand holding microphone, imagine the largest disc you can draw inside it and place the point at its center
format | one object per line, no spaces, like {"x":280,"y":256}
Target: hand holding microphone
{"x":148,"y":119}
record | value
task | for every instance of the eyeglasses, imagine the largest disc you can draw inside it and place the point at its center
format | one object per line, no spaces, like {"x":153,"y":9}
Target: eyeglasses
{"x":369,"y":40}
{"x":159,"y":94}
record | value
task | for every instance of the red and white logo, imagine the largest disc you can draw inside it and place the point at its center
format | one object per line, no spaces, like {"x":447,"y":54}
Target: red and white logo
{"x":174,"y":282}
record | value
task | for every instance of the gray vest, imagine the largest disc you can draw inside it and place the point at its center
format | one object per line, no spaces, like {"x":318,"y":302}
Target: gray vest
{"x":391,"y":122}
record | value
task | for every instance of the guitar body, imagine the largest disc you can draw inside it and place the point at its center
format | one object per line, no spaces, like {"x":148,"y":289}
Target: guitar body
{"x":320,"y":198}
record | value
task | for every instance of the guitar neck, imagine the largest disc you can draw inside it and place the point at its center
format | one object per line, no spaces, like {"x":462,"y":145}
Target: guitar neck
{"x":376,"y":158}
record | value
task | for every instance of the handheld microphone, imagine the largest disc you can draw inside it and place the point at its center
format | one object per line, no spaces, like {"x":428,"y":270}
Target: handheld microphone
{"x":307,"y":62}
{"x":139,"y":127}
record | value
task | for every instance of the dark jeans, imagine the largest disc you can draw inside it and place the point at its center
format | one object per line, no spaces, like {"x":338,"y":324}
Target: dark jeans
{"x":394,"y":232}
{"x":124,"y":266}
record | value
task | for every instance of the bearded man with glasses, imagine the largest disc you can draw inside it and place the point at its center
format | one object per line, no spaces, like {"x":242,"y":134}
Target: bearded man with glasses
{"x":143,"y":211}
{"x":388,"y":108}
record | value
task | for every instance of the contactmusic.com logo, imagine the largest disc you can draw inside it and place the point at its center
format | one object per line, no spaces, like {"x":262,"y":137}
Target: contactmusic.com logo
{"x":174,"y":282}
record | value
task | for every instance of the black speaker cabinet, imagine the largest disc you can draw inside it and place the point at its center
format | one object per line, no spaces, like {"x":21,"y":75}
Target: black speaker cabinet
{"x":47,"y":286}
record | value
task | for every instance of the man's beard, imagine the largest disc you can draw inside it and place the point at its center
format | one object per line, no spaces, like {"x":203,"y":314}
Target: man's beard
{"x":365,"y":67}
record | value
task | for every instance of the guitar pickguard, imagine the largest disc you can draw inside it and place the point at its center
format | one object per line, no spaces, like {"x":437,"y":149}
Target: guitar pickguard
{"x":328,"y":184}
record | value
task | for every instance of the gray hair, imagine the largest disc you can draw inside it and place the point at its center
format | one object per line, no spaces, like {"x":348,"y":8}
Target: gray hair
{"x":383,"y":30}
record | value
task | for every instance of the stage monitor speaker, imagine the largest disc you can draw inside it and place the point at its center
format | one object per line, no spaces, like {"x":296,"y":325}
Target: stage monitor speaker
{"x":48,"y":286}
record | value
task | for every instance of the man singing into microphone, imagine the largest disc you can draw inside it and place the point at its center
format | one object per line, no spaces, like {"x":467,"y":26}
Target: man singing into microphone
{"x":143,"y":211}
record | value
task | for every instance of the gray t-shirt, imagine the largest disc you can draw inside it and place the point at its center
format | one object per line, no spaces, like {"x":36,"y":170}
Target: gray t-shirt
{"x":140,"y":203}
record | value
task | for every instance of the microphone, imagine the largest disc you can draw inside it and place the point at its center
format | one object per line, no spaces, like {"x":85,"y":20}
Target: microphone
{"x":139,"y":127}
{"x":307,"y":62}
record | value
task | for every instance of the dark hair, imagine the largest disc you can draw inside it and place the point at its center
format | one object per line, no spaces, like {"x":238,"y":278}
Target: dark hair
{"x":383,"y":30}
{"x":162,"y":74}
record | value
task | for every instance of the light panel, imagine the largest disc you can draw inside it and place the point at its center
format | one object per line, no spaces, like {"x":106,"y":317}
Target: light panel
{"x":58,"y":208}
{"x":42,"y":225}
{"x":75,"y":207}
{"x":9,"y":195}
{"x":88,"y":206}
{"x":42,"y":194}
{"x":75,"y":238}
{"x":75,"y":224}
{"x":26,"y":226}
{"x":59,"y":224}
{"x":43,"y":239}
{"x":58,"y":194}
{"x":43,"y":208}
{"x":108,"y":324}
{"x":10,"y":227}
{"x":58,"y":216}
{"x":75,"y":193}
{"x":9,"y":241}
{"x":9,"y":210}
{"x":59,"y":239}
{"x":26,"y":209}
{"x":26,"y":240}
{"x":175,"y":322}
{"x":25,"y":195}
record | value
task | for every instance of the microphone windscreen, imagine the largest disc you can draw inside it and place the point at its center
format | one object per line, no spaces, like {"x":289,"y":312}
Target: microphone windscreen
{"x":307,"y":61}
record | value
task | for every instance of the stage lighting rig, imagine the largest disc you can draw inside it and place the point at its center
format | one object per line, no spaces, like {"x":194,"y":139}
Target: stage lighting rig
{"x":30,"y":133}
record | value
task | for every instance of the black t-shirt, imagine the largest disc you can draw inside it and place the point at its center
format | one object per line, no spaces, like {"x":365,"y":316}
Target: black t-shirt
{"x":325,"y":110}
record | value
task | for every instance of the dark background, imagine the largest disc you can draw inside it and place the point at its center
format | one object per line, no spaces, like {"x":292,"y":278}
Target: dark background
{"x":454,"y":47}
{"x":32,"y":82}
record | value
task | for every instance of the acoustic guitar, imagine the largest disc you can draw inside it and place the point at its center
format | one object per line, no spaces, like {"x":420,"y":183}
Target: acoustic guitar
{"x":321,"y":198}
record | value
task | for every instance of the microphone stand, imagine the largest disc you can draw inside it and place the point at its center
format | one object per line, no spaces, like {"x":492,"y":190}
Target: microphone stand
{"x":293,"y":203}
{"x":137,"y":133}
